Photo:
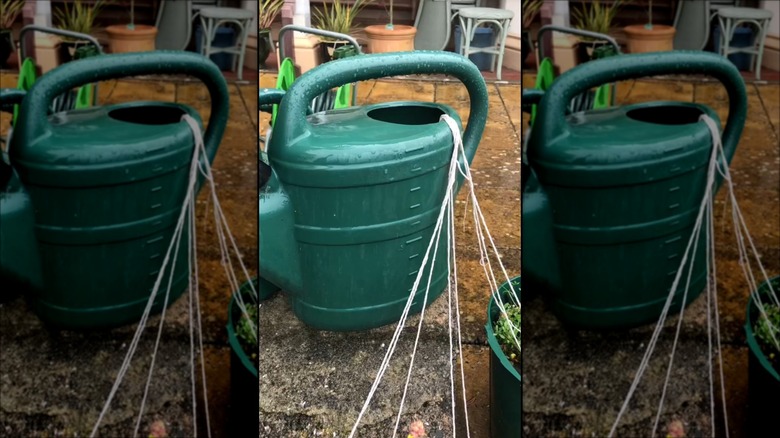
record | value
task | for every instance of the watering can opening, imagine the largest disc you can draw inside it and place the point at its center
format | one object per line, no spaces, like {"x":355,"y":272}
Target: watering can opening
{"x":148,"y":114}
{"x":407,"y":114}
{"x":666,"y":114}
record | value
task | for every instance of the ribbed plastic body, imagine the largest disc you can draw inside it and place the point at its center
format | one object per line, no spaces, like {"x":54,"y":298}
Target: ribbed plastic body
{"x":506,"y":394}
{"x":363,"y":191}
{"x":107,"y":184}
{"x":625,"y":187}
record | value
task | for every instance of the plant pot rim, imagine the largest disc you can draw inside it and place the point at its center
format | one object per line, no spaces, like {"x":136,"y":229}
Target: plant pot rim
{"x":753,"y":346}
{"x":657,"y":31}
{"x":235,"y":344}
{"x":397,"y":30}
{"x":123,"y":30}
{"x":495,"y":346}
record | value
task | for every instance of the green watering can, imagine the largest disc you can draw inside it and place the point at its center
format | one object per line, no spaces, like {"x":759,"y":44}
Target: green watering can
{"x":353,"y":195}
{"x":613,"y":194}
{"x":107,"y":185}
{"x":19,"y":263}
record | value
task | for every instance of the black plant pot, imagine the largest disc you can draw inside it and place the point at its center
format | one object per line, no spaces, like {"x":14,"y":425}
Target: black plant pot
{"x":244,"y":401}
{"x":263,"y":46}
{"x":6,"y":47}
{"x":525,"y":47}
{"x":763,"y":379}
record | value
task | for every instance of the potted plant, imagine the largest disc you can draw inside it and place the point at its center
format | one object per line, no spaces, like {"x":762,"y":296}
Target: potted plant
{"x":390,"y":37}
{"x":337,"y":17}
{"x":242,"y":336}
{"x":762,"y":333}
{"x":505,"y":389}
{"x":269,"y":10}
{"x":595,"y":17}
{"x":131,"y":37}
{"x":530,"y":9}
{"x":9,"y":10}
{"x":642,"y":38}
{"x":77,"y":17}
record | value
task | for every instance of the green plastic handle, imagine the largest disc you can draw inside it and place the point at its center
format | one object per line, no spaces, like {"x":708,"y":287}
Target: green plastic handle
{"x":551,"y":122}
{"x":269,"y":98}
{"x":10,"y":97}
{"x":292,"y":122}
{"x":33,"y":121}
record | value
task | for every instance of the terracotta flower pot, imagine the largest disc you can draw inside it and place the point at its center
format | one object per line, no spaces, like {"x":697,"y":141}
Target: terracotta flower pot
{"x":123,"y":39}
{"x":640,"y":39}
{"x":398,"y":39}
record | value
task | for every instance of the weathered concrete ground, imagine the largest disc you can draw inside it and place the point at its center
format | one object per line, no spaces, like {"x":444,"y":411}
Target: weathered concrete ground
{"x":54,"y":383}
{"x":314,"y":383}
{"x":575,"y":381}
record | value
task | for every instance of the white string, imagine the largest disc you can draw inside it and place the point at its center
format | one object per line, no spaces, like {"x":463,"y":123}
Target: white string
{"x":448,"y":207}
{"x":719,"y":164}
{"x":142,"y":323}
{"x":197,"y":167}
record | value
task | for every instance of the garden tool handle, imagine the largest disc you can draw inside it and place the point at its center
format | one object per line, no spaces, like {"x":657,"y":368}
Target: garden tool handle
{"x":11,"y":97}
{"x":268,"y":98}
{"x":572,"y":31}
{"x":551,"y":121}
{"x":293,"y":122}
{"x":33,"y":120}
{"x":530,"y":97}
{"x":313,"y":31}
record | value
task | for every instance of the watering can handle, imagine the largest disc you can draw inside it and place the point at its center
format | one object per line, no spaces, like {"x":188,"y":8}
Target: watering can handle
{"x":33,"y":118}
{"x":292,"y":121}
{"x":551,"y":121}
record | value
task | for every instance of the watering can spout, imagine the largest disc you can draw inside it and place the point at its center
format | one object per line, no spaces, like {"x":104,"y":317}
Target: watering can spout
{"x":280,"y":267}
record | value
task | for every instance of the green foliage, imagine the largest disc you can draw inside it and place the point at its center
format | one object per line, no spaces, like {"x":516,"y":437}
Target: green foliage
{"x":596,"y":16}
{"x":504,"y":332}
{"x":246,"y":330}
{"x":269,"y":9}
{"x":769,"y":325}
{"x":77,"y":16}
{"x":338,"y":17}
{"x":530,"y":8}
{"x":9,"y":10}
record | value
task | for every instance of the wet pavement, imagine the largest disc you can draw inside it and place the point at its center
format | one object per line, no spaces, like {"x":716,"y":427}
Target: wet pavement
{"x":314,"y":383}
{"x":54,"y":383}
{"x":576,"y":381}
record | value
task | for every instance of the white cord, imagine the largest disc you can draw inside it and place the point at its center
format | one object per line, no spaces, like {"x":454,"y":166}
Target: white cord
{"x":456,"y":167}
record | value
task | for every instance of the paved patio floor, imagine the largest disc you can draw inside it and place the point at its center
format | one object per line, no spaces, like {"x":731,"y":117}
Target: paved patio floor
{"x":314,"y":383}
{"x":575,"y":381}
{"x":54,"y":383}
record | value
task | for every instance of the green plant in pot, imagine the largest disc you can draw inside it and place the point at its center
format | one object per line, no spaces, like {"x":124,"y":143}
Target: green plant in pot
{"x":390,"y":37}
{"x":595,"y":17}
{"x":269,"y":10}
{"x":762,"y":332}
{"x":649,"y":37}
{"x":242,"y":330}
{"x":131,"y":37}
{"x":530,"y":10}
{"x":77,"y":17}
{"x":337,"y":17}
{"x":503,"y":336}
{"x":9,"y":11}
